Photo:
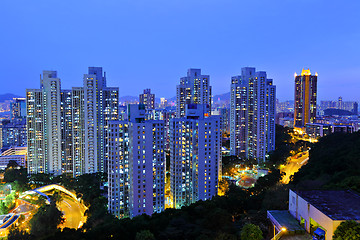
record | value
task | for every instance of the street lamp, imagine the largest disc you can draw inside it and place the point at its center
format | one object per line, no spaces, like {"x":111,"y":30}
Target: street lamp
{"x":283,"y":229}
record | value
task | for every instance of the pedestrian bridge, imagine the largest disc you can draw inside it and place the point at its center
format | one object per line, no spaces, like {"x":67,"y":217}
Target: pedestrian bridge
{"x":47,"y":188}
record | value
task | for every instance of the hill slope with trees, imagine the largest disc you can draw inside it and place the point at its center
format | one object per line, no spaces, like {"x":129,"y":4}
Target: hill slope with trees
{"x":334,"y":163}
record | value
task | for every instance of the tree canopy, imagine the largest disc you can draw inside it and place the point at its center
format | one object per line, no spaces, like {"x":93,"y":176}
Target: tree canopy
{"x":251,"y":232}
{"x":334,"y":163}
{"x":348,"y":230}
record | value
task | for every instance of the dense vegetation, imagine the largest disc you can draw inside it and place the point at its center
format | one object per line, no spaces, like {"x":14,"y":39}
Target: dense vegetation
{"x":219,"y":218}
{"x":348,"y":230}
{"x":239,"y":214}
{"x":286,"y":145}
{"x":334,"y":164}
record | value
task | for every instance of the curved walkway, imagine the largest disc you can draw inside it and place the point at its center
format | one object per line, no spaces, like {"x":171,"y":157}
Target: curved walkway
{"x":41,"y":190}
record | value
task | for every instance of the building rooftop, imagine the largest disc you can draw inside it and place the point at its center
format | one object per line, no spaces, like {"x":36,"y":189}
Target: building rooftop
{"x":337,"y":205}
{"x":282,"y":218}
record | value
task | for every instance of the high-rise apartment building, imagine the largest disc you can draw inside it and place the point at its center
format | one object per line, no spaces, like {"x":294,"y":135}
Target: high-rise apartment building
{"x":195,"y":156}
{"x":193,"y":89}
{"x":305,"y":98}
{"x":147,"y":99}
{"x":13,"y":133}
{"x":136,"y":173}
{"x":18,"y":108}
{"x":252,"y":114}
{"x":66,"y":128}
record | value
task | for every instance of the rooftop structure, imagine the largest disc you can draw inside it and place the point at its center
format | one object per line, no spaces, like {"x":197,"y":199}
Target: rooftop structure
{"x":337,"y":205}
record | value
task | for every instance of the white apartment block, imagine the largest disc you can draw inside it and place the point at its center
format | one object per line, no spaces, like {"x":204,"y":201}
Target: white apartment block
{"x":118,"y":169}
{"x":252,"y":115}
{"x":195,"y":156}
{"x":66,"y":128}
{"x":136,"y":173}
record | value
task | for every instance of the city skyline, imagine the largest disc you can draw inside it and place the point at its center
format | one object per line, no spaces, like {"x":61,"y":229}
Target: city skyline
{"x":185,"y":119}
{"x":142,"y":38}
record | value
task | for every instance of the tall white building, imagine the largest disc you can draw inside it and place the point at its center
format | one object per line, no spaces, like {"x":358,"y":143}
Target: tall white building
{"x":195,"y":156}
{"x":252,"y":114}
{"x":136,"y":173}
{"x":43,"y":125}
{"x":66,"y":128}
{"x":194,"y":88}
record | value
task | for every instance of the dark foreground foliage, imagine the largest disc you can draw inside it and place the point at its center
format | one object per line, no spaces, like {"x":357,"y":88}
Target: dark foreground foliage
{"x":334,"y":164}
{"x":219,"y":218}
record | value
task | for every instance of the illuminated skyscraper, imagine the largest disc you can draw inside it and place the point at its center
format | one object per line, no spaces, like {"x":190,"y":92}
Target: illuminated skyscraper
{"x":305,"y":98}
{"x":18,"y":108}
{"x":148,"y":99}
{"x":195,"y":156}
{"x":193,"y":89}
{"x":66,"y":128}
{"x":136,"y":173}
{"x":252,"y":115}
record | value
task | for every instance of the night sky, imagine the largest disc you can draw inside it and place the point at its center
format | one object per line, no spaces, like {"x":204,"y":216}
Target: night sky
{"x":151,"y":43}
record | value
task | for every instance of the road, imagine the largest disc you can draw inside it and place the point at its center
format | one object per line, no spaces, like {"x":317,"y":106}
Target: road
{"x":13,"y":219}
{"x":293,"y":165}
{"x":73,"y":213}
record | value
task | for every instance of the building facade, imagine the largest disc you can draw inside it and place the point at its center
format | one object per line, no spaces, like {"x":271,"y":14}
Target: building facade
{"x":17,"y":154}
{"x":66,"y":128}
{"x":18,"y":108}
{"x":148,"y":99}
{"x":13,"y":133}
{"x":305,"y":98}
{"x":195,"y":156}
{"x":193,"y":89}
{"x":136,"y":173}
{"x":252,"y":115}
{"x":324,"y":209}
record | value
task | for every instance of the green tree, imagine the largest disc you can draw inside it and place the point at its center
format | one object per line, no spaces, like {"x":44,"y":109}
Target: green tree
{"x":3,"y":208}
{"x":16,"y":174}
{"x":225,"y":236}
{"x":56,"y":197}
{"x":10,"y":200}
{"x":12,"y":164}
{"x":17,"y":234}
{"x":46,"y":220}
{"x":348,"y":230}
{"x":251,"y":232}
{"x":41,"y":179}
{"x":333,"y":163}
{"x":144,"y":235}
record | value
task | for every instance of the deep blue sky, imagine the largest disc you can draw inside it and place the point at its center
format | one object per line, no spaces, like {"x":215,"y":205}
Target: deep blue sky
{"x":151,"y":43}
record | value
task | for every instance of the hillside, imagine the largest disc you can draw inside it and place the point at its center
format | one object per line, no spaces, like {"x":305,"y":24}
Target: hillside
{"x":222,"y":97}
{"x":8,"y":96}
{"x":334,"y":162}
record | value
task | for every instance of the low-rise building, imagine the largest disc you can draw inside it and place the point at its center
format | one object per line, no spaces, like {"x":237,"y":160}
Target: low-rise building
{"x":319,"y":212}
{"x":17,"y":154}
{"x":324,"y":209}
{"x":316,"y":130}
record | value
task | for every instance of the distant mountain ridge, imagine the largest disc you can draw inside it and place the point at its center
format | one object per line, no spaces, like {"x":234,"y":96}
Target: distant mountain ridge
{"x":222,"y":97}
{"x":8,"y":96}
